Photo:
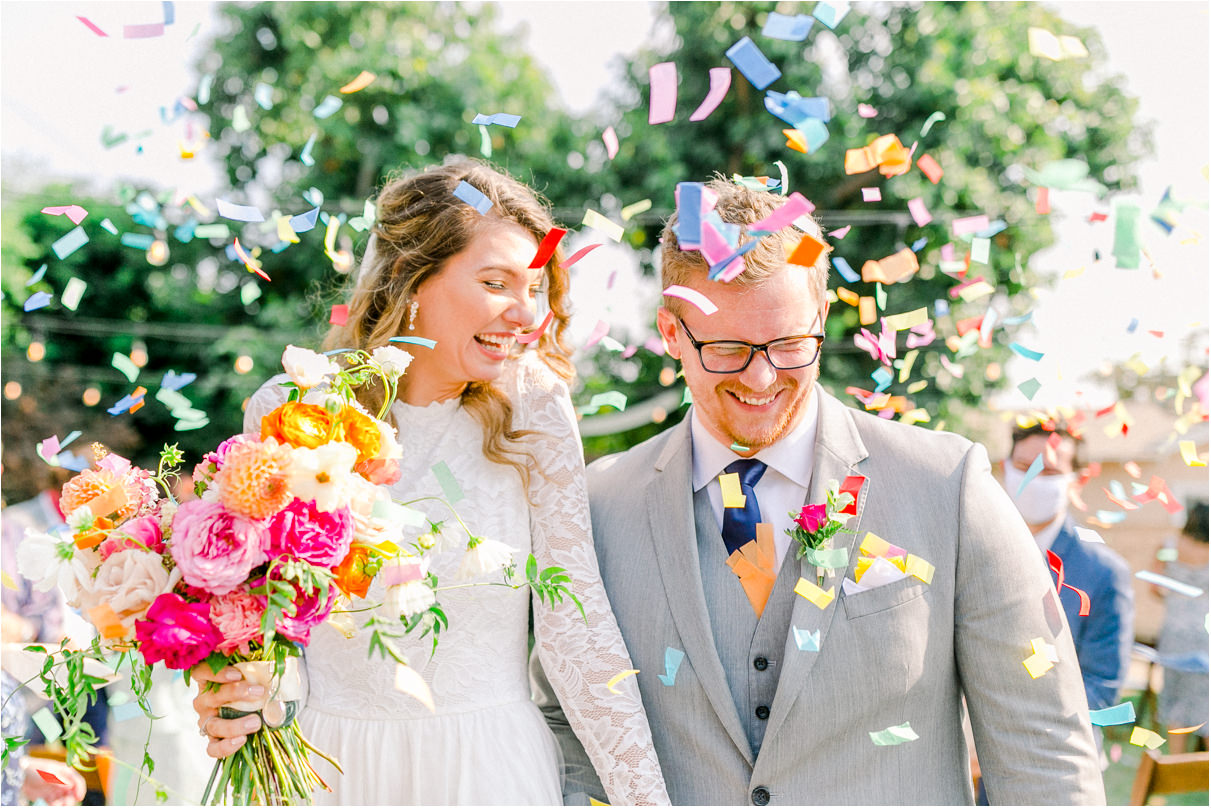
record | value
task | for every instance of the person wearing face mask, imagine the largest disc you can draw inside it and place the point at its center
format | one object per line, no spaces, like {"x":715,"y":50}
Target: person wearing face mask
{"x":1103,"y":637}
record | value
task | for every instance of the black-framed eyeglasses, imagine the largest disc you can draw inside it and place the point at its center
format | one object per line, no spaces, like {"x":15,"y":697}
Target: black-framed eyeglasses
{"x":733,"y":356}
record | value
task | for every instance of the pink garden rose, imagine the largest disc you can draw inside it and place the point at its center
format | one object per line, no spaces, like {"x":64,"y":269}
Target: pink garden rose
{"x":215,"y":548}
{"x":177,"y":632}
{"x":310,"y":611}
{"x":812,"y":517}
{"x":137,"y":534}
{"x":237,"y":616}
{"x":318,"y":537}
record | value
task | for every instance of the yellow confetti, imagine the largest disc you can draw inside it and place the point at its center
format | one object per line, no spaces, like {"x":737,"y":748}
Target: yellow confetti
{"x":388,"y":547}
{"x":202,"y":210}
{"x":362,"y":81}
{"x":636,"y":209}
{"x":874,"y":545}
{"x":598,"y":222}
{"x":1146,"y":737}
{"x":900,"y":322}
{"x":285,"y":231}
{"x":733,"y":497}
{"x":7,"y":581}
{"x":618,"y":678}
{"x":819,"y":597}
{"x":1037,"y":665}
{"x":1190,"y":454}
{"x":919,"y":568}
{"x":597,"y":802}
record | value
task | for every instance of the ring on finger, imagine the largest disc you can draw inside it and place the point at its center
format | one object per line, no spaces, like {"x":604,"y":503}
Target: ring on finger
{"x":202,"y":729}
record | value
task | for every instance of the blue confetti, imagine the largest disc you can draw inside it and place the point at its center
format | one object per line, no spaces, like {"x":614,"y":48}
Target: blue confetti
{"x":1036,"y":466}
{"x":329,"y":105}
{"x":830,"y":14}
{"x":304,"y":221}
{"x":109,"y":226}
{"x":1119,"y":714}
{"x":672,"y":663}
{"x":38,"y":300}
{"x":941,"y":308}
{"x":1134,"y":324}
{"x":807,"y":640}
{"x":795,"y":109}
{"x":37,"y":276}
{"x":919,"y":243}
{"x":846,"y":270}
{"x":175,"y":381}
{"x":473,"y":196}
{"x":68,"y":244}
{"x":1023,"y":351}
{"x":140,"y":241}
{"x":786,"y":27}
{"x":124,"y":404}
{"x":499,"y":118}
{"x":169,"y":14}
{"x":751,"y":62}
{"x":425,"y":343}
{"x":689,"y":214}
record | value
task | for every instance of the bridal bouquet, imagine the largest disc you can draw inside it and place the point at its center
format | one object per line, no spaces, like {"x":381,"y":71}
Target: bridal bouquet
{"x":289,"y":525}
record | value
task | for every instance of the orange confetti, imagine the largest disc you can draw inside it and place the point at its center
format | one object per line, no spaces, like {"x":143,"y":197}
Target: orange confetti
{"x":930,"y":168}
{"x":808,"y":251}
{"x":755,"y":565}
{"x":847,"y":295}
{"x":107,"y":622}
{"x":891,"y":269}
{"x":795,"y":140}
{"x":1187,"y":730}
{"x":362,"y":81}
{"x":867,"y":313}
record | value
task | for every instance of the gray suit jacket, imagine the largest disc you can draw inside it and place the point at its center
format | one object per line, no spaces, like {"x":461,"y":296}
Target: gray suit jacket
{"x":905,"y":652}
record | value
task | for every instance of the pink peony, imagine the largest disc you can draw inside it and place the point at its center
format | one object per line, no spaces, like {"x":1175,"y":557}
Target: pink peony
{"x":137,"y":534}
{"x":237,"y":616}
{"x":812,"y":517}
{"x":214,"y":548}
{"x":177,"y":632}
{"x":318,"y":537}
{"x":310,"y":611}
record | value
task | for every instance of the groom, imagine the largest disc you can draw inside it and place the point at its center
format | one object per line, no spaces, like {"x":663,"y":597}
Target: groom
{"x":771,"y":680}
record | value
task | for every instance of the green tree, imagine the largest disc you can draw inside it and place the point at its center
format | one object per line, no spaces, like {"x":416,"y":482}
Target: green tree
{"x":1007,"y":113}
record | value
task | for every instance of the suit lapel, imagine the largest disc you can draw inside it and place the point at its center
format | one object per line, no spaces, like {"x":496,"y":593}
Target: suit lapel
{"x":838,"y":452}
{"x":671,"y":518}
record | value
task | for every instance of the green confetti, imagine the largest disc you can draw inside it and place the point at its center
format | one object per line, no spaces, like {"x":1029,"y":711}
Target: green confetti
{"x":930,"y":121}
{"x":485,"y":141}
{"x":1030,"y":387}
{"x":1126,"y":236}
{"x":834,"y":559}
{"x":893,"y":736}
{"x":249,"y":293}
{"x":450,"y":487}
{"x":125,"y":366}
{"x":45,"y":720}
{"x":613,"y":398}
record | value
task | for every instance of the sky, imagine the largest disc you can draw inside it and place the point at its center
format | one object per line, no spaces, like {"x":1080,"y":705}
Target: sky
{"x":60,"y":85}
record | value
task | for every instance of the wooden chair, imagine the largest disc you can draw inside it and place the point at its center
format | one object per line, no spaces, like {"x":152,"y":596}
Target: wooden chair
{"x":93,"y":779}
{"x":1168,"y":774}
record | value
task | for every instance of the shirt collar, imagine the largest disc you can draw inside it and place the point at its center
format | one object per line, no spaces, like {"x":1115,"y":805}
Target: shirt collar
{"x":792,"y":456}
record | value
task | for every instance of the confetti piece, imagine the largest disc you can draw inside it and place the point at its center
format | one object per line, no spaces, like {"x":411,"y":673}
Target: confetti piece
{"x":473,"y":196}
{"x":547,"y":247}
{"x":329,"y":105}
{"x":836,"y":558}
{"x":175,"y":381}
{"x":721,"y":81}
{"x":445,"y":478}
{"x":830,"y":14}
{"x":143,"y":30}
{"x":786,"y":27}
{"x":106,"y":621}
{"x":692,"y":296}
{"x":576,"y":256}
{"x":48,"y":777}
{"x":919,"y":568}
{"x":672,"y":663}
{"x":1119,"y":714}
{"x":339,"y":315}
{"x":304,"y":221}
{"x":817,"y":596}
{"x":867,"y":313}
{"x":536,"y":334}
{"x":411,"y":683}
{"x":600,"y":223}
{"x":1169,"y":583}
{"x":980,"y":249}
{"x":662,"y":103}
{"x":48,"y":724}
{"x":920,"y":213}
{"x":498,"y":118}
{"x":240,"y":213}
{"x":618,"y":677}
{"x":424,"y":343}
{"x":1187,"y":730}
{"x":635,"y":209}
{"x":610,"y":138}
{"x":612,"y":398}
{"x":752,"y":64}
{"x":729,"y":486}
{"x":91,"y":26}
{"x":1036,"y":466}
{"x":807,"y":640}
{"x":37,"y":300}
{"x":892,"y":269}
{"x":363,"y":80}
{"x":1190,"y":454}
{"x":1023,"y":351}
{"x":795,"y":206}
{"x":909,"y":319}
{"x":305,"y":155}
{"x":872,"y":194}
{"x":1057,"y":566}
{"x":123,"y":364}
{"x":73,"y":212}
{"x":1030,"y":387}
{"x":929,"y":123}
{"x":69,"y":243}
{"x":842,"y":266}
{"x":808,"y":251}
{"x":1037,"y":663}
{"x":249,"y":262}
{"x":1044,"y":44}
{"x":1146,"y":737}
{"x":755,"y":564}
{"x":597,"y":334}
{"x":867,"y":111}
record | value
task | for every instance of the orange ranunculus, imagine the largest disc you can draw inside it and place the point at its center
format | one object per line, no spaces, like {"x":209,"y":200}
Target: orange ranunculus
{"x":350,"y":575}
{"x":361,"y":432}
{"x":95,"y":535}
{"x":298,"y":424}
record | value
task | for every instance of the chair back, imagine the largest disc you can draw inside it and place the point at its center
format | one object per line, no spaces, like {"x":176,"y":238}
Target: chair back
{"x":1169,"y":774}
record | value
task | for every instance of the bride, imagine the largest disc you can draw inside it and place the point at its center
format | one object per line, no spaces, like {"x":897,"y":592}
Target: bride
{"x":496,"y":417}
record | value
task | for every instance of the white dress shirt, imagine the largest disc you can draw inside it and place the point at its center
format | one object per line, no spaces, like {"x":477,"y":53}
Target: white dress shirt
{"x":780,"y":491}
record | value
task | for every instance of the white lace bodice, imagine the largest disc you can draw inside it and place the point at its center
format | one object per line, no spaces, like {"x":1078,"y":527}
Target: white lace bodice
{"x":481,"y":661}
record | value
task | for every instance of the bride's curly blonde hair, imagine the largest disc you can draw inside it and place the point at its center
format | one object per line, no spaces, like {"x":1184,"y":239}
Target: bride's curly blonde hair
{"x":420,"y":225}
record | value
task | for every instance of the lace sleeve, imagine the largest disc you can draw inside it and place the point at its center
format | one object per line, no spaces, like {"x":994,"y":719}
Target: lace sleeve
{"x":268,"y":397}
{"x":580,"y":659}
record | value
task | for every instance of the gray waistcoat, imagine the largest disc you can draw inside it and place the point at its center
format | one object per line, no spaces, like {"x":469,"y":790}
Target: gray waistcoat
{"x":742,"y":640}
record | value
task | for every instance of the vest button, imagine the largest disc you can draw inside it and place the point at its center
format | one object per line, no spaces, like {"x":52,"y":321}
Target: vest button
{"x":762,"y":712}
{"x":760,"y":795}
{"x":760,"y":663}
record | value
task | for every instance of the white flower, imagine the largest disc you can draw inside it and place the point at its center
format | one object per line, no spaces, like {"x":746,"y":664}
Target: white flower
{"x":128,"y":582}
{"x":483,"y":557}
{"x":388,"y":447}
{"x":307,"y":368}
{"x":51,"y":560}
{"x":442,"y":537}
{"x":81,"y":519}
{"x":392,"y":360}
{"x":408,"y":590}
{"x":323,"y":474}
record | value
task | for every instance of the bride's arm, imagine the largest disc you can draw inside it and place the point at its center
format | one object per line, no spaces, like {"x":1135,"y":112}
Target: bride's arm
{"x":580,"y":657}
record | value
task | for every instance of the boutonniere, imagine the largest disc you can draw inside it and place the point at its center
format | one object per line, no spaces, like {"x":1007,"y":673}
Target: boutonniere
{"x":815,"y":526}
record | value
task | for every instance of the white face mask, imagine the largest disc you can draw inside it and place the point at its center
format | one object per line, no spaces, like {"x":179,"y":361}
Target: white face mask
{"x":1043,"y":499}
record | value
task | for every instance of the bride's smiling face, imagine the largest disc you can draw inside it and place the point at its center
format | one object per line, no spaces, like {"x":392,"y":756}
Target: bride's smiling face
{"x":473,"y":308}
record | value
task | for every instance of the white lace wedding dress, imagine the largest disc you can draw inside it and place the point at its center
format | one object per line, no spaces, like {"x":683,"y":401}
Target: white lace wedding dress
{"x":486,"y":743}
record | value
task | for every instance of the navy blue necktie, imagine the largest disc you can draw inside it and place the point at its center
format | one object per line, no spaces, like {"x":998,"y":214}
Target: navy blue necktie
{"x":740,"y":524}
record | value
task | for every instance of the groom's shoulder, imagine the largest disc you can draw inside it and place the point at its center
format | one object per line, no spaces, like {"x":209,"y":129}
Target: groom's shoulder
{"x":896,"y":442}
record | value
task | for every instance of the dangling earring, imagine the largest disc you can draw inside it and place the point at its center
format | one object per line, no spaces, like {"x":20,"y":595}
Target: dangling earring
{"x":413,"y":307}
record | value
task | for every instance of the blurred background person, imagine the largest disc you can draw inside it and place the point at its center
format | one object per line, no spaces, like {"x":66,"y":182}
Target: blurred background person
{"x":1182,"y":643}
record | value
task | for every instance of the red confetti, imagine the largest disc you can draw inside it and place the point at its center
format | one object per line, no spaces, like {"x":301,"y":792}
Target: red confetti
{"x":1057,"y":566}
{"x":930,"y":168}
{"x":576,"y":256}
{"x":340,"y":314}
{"x":536,"y":334}
{"x":852,"y":485}
{"x":549,"y":242}
{"x":50,"y":778}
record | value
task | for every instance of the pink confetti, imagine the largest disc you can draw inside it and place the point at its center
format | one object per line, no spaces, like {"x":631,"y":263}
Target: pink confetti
{"x":610,"y":137}
{"x":867,"y":111}
{"x":92,"y":27}
{"x":600,"y":330}
{"x":655,"y":345}
{"x":692,"y":296}
{"x":795,"y":206}
{"x":721,"y":80}
{"x":970,"y":224}
{"x":143,"y":31}
{"x":576,"y":256}
{"x":920,"y":213}
{"x":49,"y":447}
{"x":536,"y":334}
{"x":841,"y":232}
{"x":339,"y":315}
{"x":73,"y":212}
{"x":871,"y":195}
{"x":662,"y":105}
